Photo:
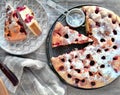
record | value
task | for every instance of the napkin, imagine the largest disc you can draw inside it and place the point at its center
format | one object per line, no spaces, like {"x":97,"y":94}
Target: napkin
{"x":37,"y":80}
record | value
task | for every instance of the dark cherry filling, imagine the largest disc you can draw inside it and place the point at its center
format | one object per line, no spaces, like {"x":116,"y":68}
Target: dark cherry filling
{"x":110,"y":15}
{"x":76,"y":56}
{"x":66,"y":36}
{"x":103,"y":57}
{"x":21,"y":8}
{"x":98,"y":24}
{"x":115,"y":32}
{"x":115,"y":58}
{"x":102,"y":40}
{"x":90,"y":33}
{"x":113,"y":21}
{"x":22,"y":30}
{"x":10,"y":21}
{"x":69,"y":76}
{"x":90,"y":73}
{"x":69,"y":60}
{"x":92,"y":63}
{"x":8,"y":34}
{"x":86,"y":67}
{"x":112,"y":39}
{"x":79,"y":35}
{"x":76,"y":40}
{"x":102,"y":66}
{"x":78,"y":70}
{"x":83,"y":80}
{"x":88,"y":56}
{"x":115,"y":47}
{"x":61,"y":68}
{"x":19,"y":23}
{"x":97,"y":10}
{"x":71,"y":67}
{"x":8,"y":8}
{"x":15,"y":15}
{"x":100,"y":74}
{"x":98,"y":50}
{"x":63,"y":60}
{"x":106,"y":49}
{"x":77,"y":80}
{"x":93,"y":83}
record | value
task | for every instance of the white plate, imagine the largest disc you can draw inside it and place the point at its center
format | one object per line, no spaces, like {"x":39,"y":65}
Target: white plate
{"x":32,"y":43}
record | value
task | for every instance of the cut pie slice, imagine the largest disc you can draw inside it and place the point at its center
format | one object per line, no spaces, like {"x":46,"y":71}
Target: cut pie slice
{"x":63,"y":35}
{"x":28,"y":19}
{"x":14,"y":30}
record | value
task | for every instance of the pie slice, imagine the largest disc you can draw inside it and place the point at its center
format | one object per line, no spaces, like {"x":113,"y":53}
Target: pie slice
{"x":63,"y":35}
{"x":28,"y":19}
{"x":14,"y":30}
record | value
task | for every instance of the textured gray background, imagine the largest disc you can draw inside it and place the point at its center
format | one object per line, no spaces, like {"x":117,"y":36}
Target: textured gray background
{"x":114,"y":5}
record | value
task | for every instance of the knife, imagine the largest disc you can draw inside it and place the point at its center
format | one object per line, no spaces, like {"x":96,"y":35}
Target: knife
{"x":3,"y":90}
{"x":9,"y":74}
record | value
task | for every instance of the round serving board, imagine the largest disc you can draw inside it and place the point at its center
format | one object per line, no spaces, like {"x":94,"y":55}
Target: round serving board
{"x":54,"y":52}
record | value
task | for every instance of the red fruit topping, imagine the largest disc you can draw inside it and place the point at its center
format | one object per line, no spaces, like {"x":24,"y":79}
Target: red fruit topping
{"x":66,"y":36}
{"x":28,"y":18}
{"x":77,"y":80}
{"x":98,"y":24}
{"x":110,"y":15}
{"x":79,"y":35}
{"x":78,"y":70}
{"x":69,"y":76}
{"x":71,"y":67}
{"x":21,"y":8}
{"x":113,"y":21}
{"x":88,"y":56}
{"x":15,"y":14}
{"x":83,"y":80}
{"x":93,"y":83}
{"x":97,"y":10}
{"x":115,"y":58}
{"x":20,"y":23}
{"x":63,"y":60}
{"x":22,"y":30}
{"x":92,"y":63}
{"x":115,"y":32}
{"x":61,"y":68}
{"x":102,"y":66}
{"x":115,"y":47}
{"x":56,"y":44}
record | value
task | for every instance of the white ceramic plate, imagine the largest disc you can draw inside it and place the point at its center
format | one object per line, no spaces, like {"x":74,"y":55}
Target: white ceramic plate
{"x":32,"y":43}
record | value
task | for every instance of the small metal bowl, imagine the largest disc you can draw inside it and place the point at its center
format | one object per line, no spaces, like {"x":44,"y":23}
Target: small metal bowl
{"x":75,"y":17}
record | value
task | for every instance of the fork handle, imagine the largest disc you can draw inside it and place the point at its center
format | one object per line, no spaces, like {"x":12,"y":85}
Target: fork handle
{"x":9,"y":74}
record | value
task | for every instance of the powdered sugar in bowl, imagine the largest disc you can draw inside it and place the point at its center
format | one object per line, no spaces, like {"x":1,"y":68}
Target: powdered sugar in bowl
{"x":75,"y":17}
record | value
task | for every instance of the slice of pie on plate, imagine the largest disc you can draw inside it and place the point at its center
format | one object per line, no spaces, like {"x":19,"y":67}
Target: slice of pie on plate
{"x":63,"y":35}
{"x":28,"y":19}
{"x":14,"y":30}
